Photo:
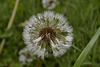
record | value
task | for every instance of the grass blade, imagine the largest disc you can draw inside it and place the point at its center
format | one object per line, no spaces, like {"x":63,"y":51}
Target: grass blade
{"x":87,"y":49}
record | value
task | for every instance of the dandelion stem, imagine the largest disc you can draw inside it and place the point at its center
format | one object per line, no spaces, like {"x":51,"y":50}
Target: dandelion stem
{"x":38,"y":64}
{"x":9,"y":24}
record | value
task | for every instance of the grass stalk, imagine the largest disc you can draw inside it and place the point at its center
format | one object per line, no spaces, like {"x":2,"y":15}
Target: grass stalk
{"x":87,"y":49}
{"x":9,"y":24}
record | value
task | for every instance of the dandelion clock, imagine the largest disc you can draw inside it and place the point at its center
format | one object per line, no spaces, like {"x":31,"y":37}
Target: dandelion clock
{"x":47,"y":33}
{"x":50,"y":4}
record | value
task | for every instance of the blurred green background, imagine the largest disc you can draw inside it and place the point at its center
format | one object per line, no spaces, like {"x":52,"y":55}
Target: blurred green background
{"x":83,"y":16}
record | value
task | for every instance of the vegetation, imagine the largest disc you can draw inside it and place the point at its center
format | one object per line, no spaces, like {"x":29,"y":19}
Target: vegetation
{"x":83,"y":16}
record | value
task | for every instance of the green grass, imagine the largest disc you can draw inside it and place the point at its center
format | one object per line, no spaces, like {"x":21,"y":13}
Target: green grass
{"x":83,"y":16}
{"x":87,"y":49}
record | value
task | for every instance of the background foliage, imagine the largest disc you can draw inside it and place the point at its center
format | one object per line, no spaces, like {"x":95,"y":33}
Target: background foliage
{"x":83,"y":15}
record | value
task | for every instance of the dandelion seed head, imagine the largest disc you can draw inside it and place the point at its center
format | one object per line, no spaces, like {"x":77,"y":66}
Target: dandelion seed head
{"x":26,"y":56}
{"x":48,"y":33}
{"x":49,"y":4}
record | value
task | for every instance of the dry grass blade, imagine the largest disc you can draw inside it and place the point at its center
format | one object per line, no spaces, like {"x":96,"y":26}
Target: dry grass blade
{"x":9,"y":24}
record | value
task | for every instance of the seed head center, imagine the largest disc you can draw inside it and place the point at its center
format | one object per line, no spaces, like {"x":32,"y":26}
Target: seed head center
{"x":47,"y":34}
{"x":51,"y":2}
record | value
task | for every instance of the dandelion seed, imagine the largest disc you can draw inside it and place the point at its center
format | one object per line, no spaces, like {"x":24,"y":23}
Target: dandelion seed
{"x":48,"y":33}
{"x":50,"y":4}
